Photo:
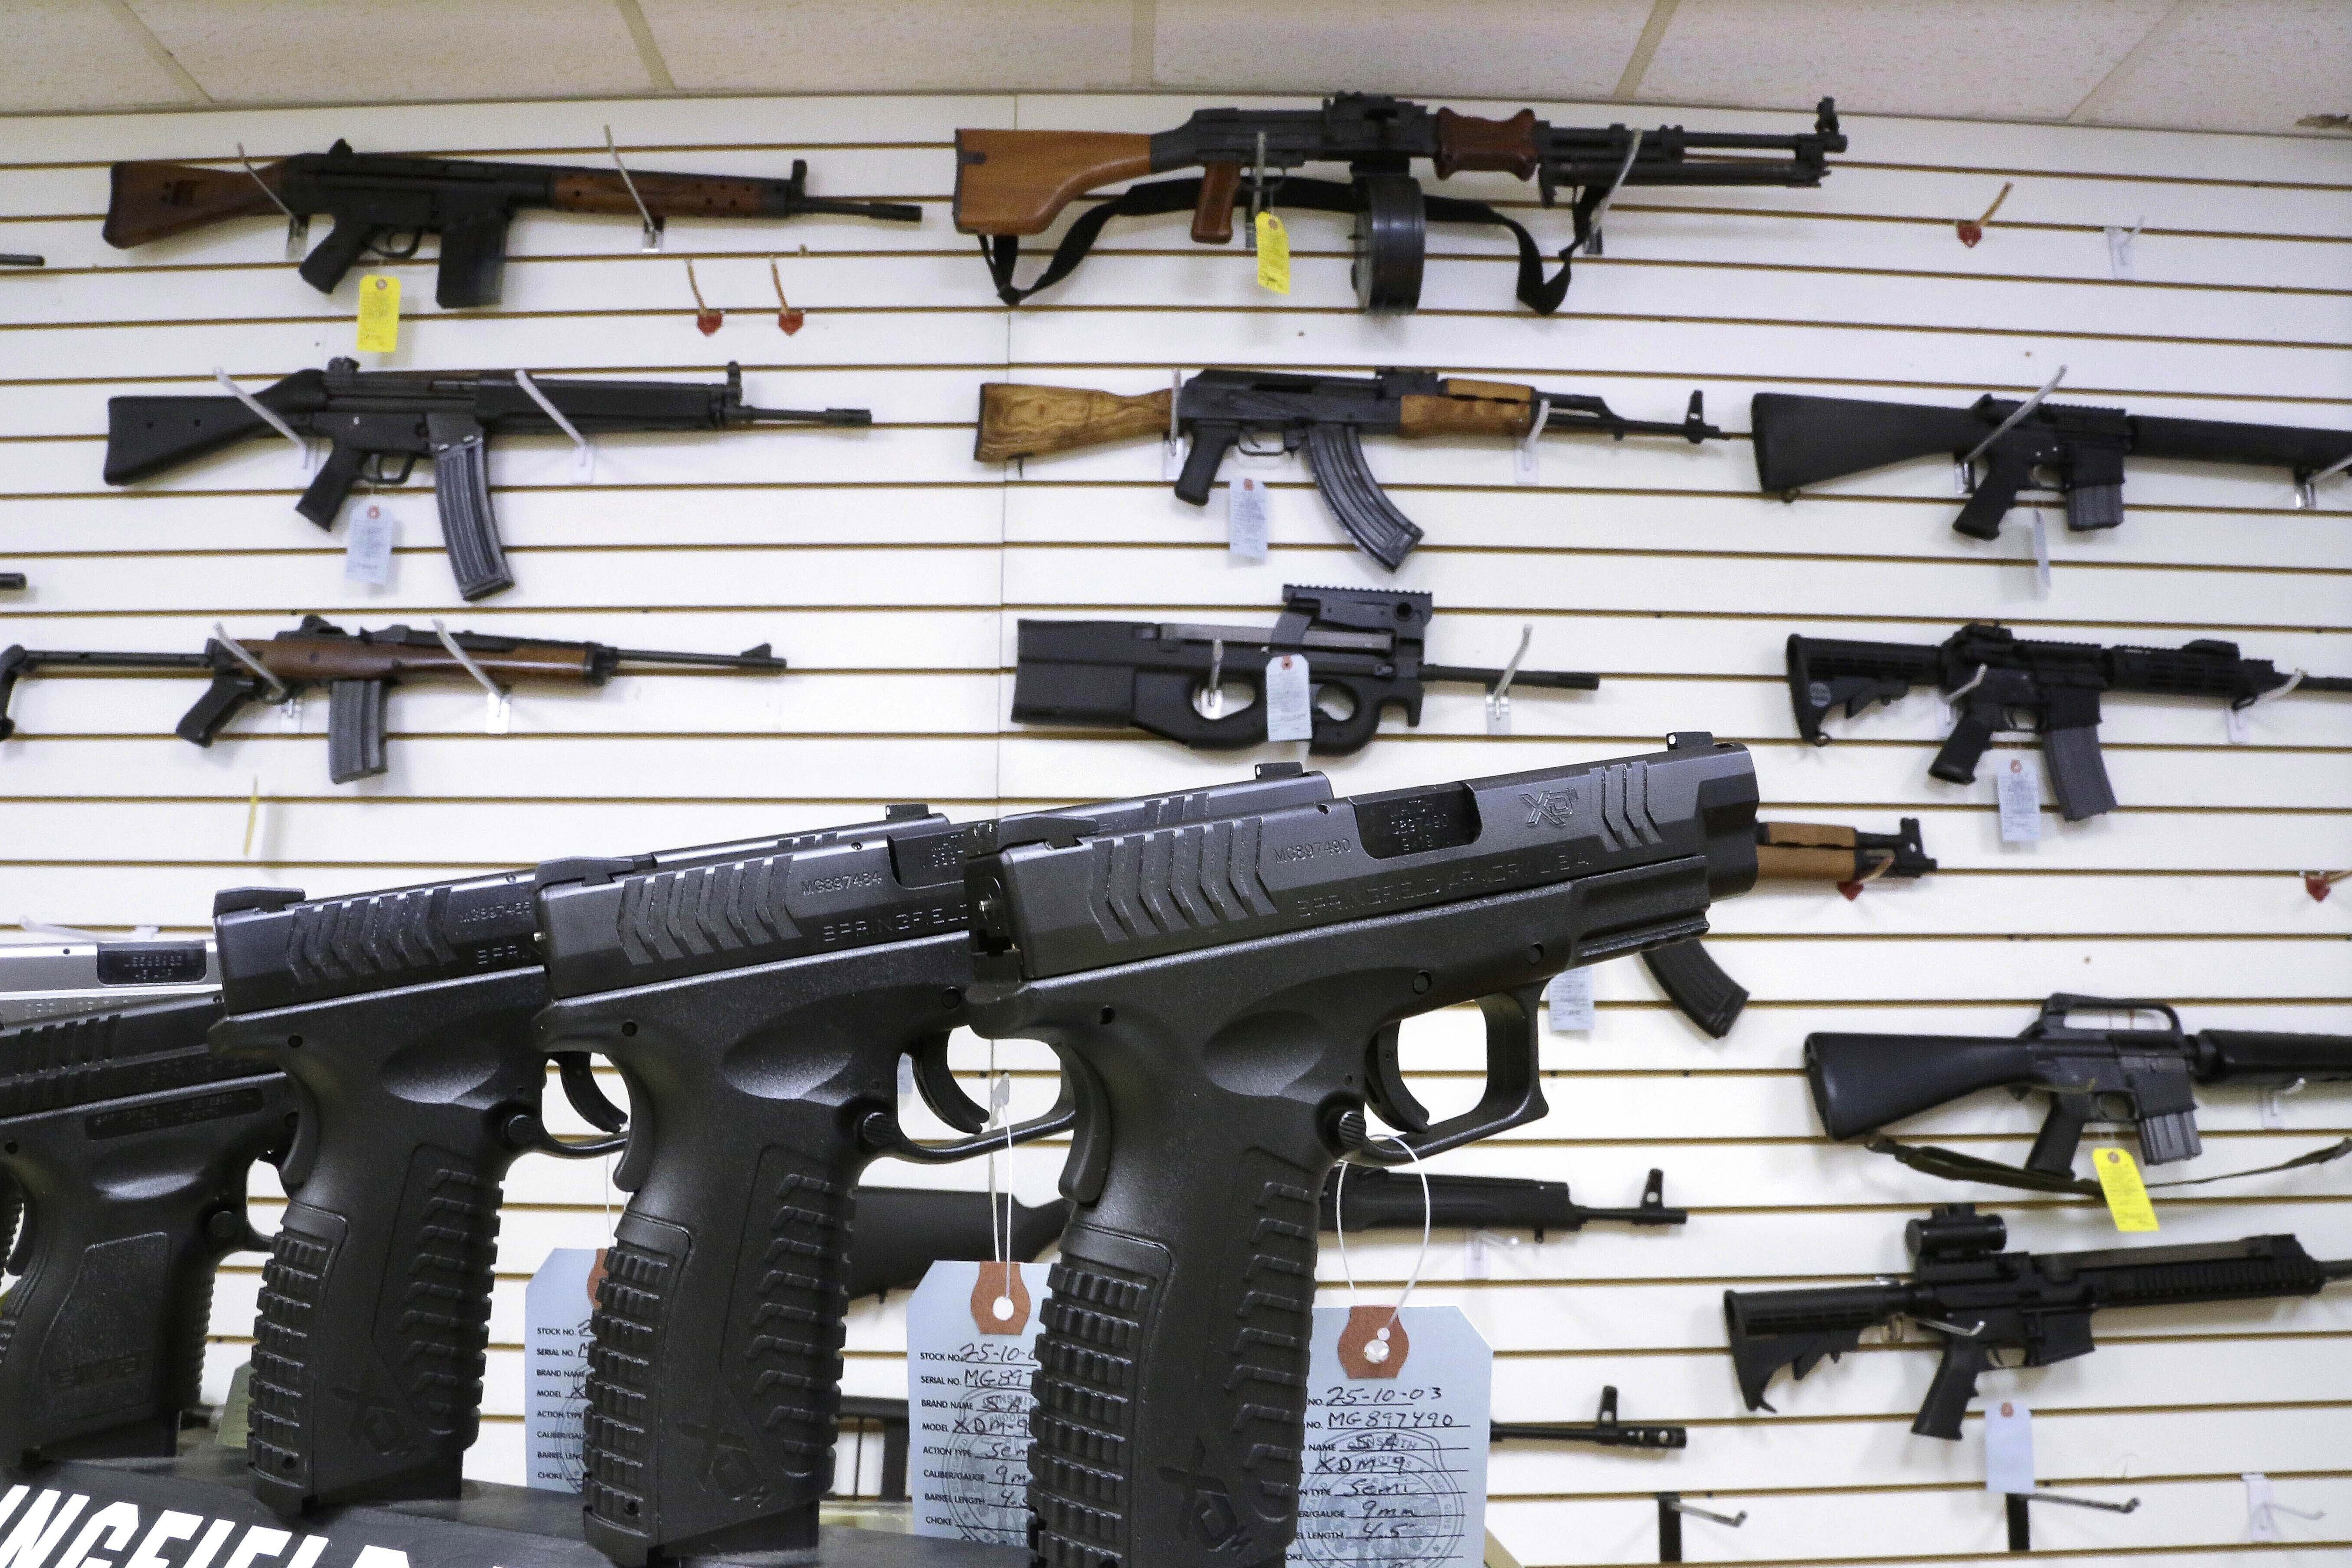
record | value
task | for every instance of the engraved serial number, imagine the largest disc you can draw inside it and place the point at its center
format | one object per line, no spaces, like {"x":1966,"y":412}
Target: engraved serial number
{"x":1304,"y":851}
{"x":843,"y":883}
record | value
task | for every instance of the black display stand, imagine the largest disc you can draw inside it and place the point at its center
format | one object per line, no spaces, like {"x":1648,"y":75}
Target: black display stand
{"x":491,"y":1526}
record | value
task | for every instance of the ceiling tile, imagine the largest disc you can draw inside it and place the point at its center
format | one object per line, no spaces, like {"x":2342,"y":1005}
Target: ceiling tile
{"x":1969,"y":60}
{"x":297,"y":51}
{"x":73,"y":54}
{"x":2239,"y":65}
{"x":910,"y":46}
{"x":1543,"y":49}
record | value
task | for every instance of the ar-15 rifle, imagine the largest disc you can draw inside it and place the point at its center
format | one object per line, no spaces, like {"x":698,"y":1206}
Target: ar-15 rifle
{"x":372,"y":416}
{"x":1010,"y":184}
{"x":374,"y":197}
{"x":2142,"y":1074}
{"x":1792,"y":851}
{"x":1977,"y":1299}
{"x":1170,"y":678}
{"x":131,"y":1145}
{"x":1326,"y":414}
{"x":1802,"y":441}
{"x":57,"y":978}
{"x":2009,"y":683}
{"x":1224,"y":1000}
{"x":359,"y":669}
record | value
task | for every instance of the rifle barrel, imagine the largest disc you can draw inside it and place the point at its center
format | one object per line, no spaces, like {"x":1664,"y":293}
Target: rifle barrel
{"x":891,"y":212}
{"x":807,"y":416}
{"x":47,"y":658}
{"x":749,"y":658}
{"x":1554,"y":679}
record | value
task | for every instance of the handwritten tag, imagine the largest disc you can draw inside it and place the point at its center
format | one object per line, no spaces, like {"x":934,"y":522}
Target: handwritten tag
{"x":1289,"y":698}
{"x":555,"y":1308}
{"x":1395,"y":1467}
{"x":1245,"y":520}
{"x":1272,"y":255}
{"x":2017,"y":788}
{"x":2009,"y":1447}
{"x":968,"y":1405}
{"x":379,"y":313}
{"x":367,"y":549}
{"x":1569,"y":1001}
{"x":2126,"y":1195}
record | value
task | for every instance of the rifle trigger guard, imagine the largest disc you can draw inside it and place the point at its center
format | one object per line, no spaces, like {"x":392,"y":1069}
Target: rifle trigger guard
{"x":1514,"y":1094}
{"x":373,"y":473}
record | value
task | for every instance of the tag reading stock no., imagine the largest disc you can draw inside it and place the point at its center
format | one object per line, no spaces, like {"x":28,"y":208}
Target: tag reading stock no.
{"x":2017,"y":785}
{"x":1272,"y":255}
{"x":367,"y":547}
{"x":1289,"y":698}
{"x":1245,"y":519}
{"x":968,"y":1399}
{"x":2009,"y":1447}
{"x":379,"y":313}
{"x":1395,"y":1460}
{"x":1568,"y":1001}
{"x":2126,"y":1195}
{"x":555,"y":1308}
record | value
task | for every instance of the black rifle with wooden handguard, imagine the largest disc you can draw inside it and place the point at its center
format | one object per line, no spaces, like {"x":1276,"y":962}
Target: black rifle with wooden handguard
{"x":1362,"y":645}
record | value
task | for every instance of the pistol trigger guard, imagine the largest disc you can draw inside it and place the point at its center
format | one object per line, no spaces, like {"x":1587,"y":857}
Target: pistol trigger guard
{"x":578,"y":1077}
{"x":1384,"y":1086}
{"x":879,"y":1131}
{"x":1514,"y":1094}
{"x":935,"y":1083}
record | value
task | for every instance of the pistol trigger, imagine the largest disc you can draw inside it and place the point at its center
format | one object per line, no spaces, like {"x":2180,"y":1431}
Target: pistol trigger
{"x":1384,"y":1086}
{"x":580,"y":1086}
{"x":937,"y":1085}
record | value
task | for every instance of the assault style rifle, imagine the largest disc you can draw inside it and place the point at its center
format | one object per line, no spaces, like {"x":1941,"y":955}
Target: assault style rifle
{"x":2000,"y":681}
{"x":1789,"y":851}
{"x":2145,"y":1074}
{"x":376,"y":197}
{"x":359,"y":669}
{"x":1326,"y":414}
{"x":131,"y":1145}
{"x":1977,"y":1299}
{"x":1802,"y":441}
{"x":59,"y":977}
{"x":1362,"y":645}
{"x":372,"y":417}
{"x":1010,"y":184}
{"x":1224,"y":999}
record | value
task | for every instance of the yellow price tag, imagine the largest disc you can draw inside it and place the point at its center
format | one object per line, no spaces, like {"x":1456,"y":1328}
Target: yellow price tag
{"x":1272,"y":255}
{"x":379,"y":313}
{"x":2126,"y":1195}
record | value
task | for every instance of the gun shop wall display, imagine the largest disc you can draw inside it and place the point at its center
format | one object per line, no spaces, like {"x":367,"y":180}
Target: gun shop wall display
{"x":754,"y":540}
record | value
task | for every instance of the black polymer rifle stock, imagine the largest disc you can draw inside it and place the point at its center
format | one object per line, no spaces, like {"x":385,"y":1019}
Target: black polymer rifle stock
{"x":377,"y":197}
{"x":1998,"y":682}
{"x":1793,"y":851}
{"x":1363,"y":644}
{"x":758,"y":1001}
{"x":1328,"y":415}
{"x":1978,"y":1299}
{"x":130,"y":1144}
{"x":1224,"y":1000}
{"x":1010,"y":184}
{"x":372,"y":418}
{"x":1803,"y":441}
{"x":2145,"y":1074}
{"x":359,"y":669}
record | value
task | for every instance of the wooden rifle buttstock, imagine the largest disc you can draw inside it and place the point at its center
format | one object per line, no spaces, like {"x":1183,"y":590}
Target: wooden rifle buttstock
{"x":152,"y":201}
{"x":1018,"y":182}
{"x":1028,"y":421}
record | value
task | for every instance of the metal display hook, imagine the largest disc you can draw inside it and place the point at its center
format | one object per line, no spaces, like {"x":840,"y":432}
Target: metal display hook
{"x":1965,"y":470}
{"x":1498,"y":699}
{"x":585,"y":450}
{"x":2020,"y":1518}
{"x":1671,"y":1508}
{"x":498,"y":715}
{"x":653,"y":226}
{"x":266,"y":414}
{"x":298,"y":224}
{"x":2306,"y":487}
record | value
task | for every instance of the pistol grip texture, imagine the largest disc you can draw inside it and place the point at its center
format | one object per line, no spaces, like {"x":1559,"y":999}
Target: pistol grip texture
{"x":1956,"y":761}
{"x":714,"y":1378}
{"x":334,"y":256}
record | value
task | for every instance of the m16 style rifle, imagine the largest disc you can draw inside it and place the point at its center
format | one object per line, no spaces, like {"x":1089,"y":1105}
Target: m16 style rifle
{"x":1328,"y":416}
{"x":58,"y":977}
{"x":759,"y":1001}
{"x":359,"y":668}
{"x":1012,"y":184}
{"x":1977,"y":1299}
{"x":130,"y":1144}
{"x":376,"y":198}
{"x":1789,"y":851}
{"x":372,"y":418}
{"x":1225,"y":998}
{"x":1998,"y":681}
{"x":2145,"y":1074}
{"x":1362,"y":645}
{"x":1803,"y":441}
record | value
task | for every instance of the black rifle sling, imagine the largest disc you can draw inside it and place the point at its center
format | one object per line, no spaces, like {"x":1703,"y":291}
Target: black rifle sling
{"x":1003,"y":251}
{"x":1953,"y":1165}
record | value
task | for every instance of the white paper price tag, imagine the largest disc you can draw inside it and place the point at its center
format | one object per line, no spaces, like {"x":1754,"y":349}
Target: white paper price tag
{"x":2018,"y":786}
{"x":555,"y":1308}
{"x":1395,"y":1467}
{"x":1289,"y":698}
{"x":1569,"y":1000}
{"x":1245,"y":520}
{"x":968,"y":1407}
{"x":2009,"y":1447}
{"x":367,"y":547}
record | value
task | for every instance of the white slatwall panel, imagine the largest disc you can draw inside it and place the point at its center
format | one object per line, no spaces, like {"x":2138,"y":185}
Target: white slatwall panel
{"x":890,"y":570}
